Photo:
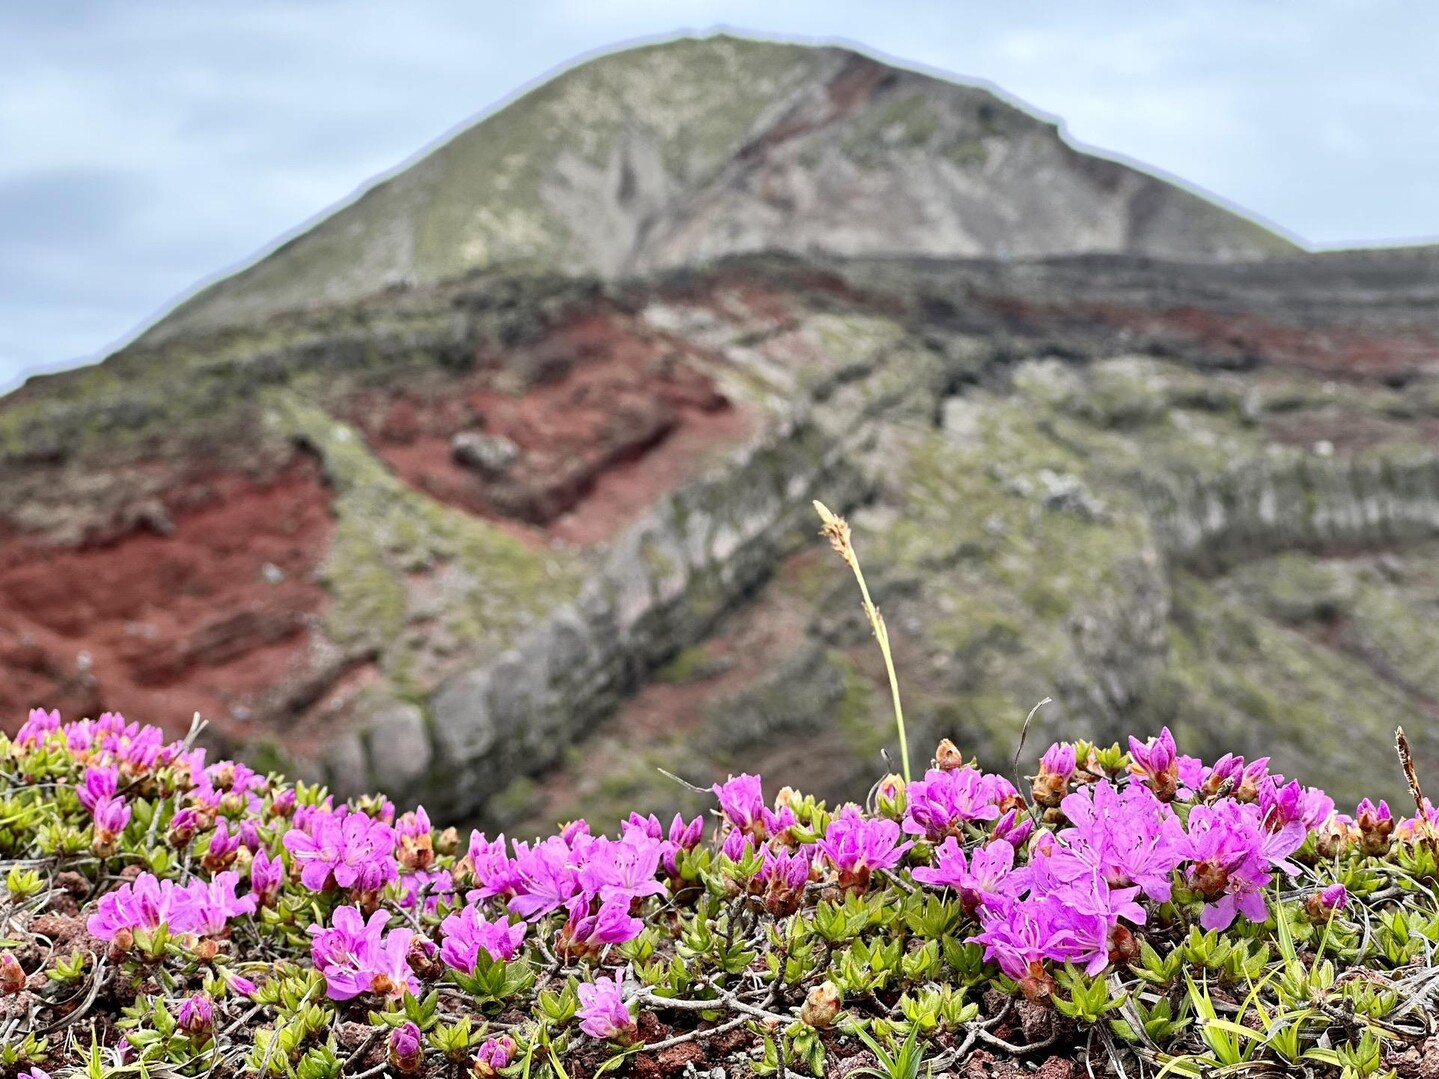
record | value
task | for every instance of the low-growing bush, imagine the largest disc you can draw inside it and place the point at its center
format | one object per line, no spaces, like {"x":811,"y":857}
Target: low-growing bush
{"x":1136,"y":910}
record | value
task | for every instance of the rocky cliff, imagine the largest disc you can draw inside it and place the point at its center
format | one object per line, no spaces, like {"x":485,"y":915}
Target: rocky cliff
{"x":516,"y":539}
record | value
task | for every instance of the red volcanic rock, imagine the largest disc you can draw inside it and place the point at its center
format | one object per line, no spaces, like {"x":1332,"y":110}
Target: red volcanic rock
{"x":207,"y":618}
{"x":590,"y":397}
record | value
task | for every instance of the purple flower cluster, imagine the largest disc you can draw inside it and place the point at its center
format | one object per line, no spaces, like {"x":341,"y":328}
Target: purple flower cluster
{"x":857,"y":845}
{"x":742,"y":804}
{"x":468,"y":932}
{"x":603,"y":1012}
{"x":596,"y":880}
{"x":1232,"y":857}
{"x":943,"y":801}
{"x":1067,"y":878}
{"x":1075,"y":898}
{"x":203,"y":908}
{"x":342,"y":848}
{"x":357,"y":956}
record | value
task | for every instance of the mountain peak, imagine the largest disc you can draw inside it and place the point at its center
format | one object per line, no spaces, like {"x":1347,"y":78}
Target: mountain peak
{"x":680,"y":152}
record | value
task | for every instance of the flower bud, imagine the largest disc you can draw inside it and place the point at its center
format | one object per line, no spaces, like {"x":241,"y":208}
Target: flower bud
{"x":423,"y":958}
{"x":184,"y":825}
{"x":495,"y":1054}
{"x":447,"y":842}
{"x":889,"y":797}
{"x":232,"y":803}
{"x":1333,"y":837}
{"x":222,"y":849}
{"x":416,"y":853}
{"x":789,"y":798}
{"x":1209,"y":879}
{"x":947,"y":756}
{"x":405,"y":1052}
{"x":822,"y":1006}
{"x":266,"y":876}
{"x":1376,"y":826}
{"x":1058,"y":764}
{"x":1321,"y":905}
{"x":1038,"y":986}
{"x":1123,"y":945}
{"x":12,"y":975}
{"x":197,"y":1015}
{"x":121,"y":942}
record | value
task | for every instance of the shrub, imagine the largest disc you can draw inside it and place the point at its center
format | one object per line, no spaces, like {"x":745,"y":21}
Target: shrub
{"x":168,"y":915}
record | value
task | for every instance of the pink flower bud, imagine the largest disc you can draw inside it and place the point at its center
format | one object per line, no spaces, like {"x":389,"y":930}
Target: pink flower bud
{"x":493,"y":1055}
{"x":822,"y":1006}
{"x":405,"y":1052}
{"x":12,"y":975}
{"x":197,"y":1015}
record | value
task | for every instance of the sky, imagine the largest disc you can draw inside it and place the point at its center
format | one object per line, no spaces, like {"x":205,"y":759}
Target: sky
{"x":147,"y":146}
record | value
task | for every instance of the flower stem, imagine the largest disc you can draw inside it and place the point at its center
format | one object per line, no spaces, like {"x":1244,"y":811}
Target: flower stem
{"x":836,"y":530}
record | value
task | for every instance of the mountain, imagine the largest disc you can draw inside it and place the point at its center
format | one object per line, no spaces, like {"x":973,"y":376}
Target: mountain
{"x":515,"y":535}
{"x":676,"y":154}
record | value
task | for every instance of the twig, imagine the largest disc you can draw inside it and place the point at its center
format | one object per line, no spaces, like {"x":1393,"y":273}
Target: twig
{"x":362,"y":1050}
{"x":1019,"y":749}
{"x":695,"y":1035}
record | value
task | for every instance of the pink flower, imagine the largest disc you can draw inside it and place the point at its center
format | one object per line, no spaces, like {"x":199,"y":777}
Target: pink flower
{"x":1333,"y":898}
{"x":100,"y":783}
{"x":359,"y":957}
{"x":741,"y":801}
{"x":1157,"y":761}
{"x":183,"y":826}
{"x":942,"y":801}
{"x":1130,"y":837}
{"x":545,"y":878}
{"x":1280,"y":805}
{"x":494,"y":869}
{"x":603,"y":1013}
{"x":1231,"y":776}
{"x":343,"y":849}
{"x":266,"y":876}
{"x":786,"y":868}
{"x":623,"y":870}
{"x":37,"y":728}
{"x":1233,"y":856}
{"x":148,"y":903}
{"x":112,"y":816}
{"x":415,"y":824}
{"x":211,"y":906}
{"x":991,"y":881}
{"x":589,"y":928}
{"x":857,"y":845}
{"x":466,"y":933}
{"x":223,"y":846}
{"x":1059,"y":761}
{"x":197,"y":1014}
{"x":1023,"y":936}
